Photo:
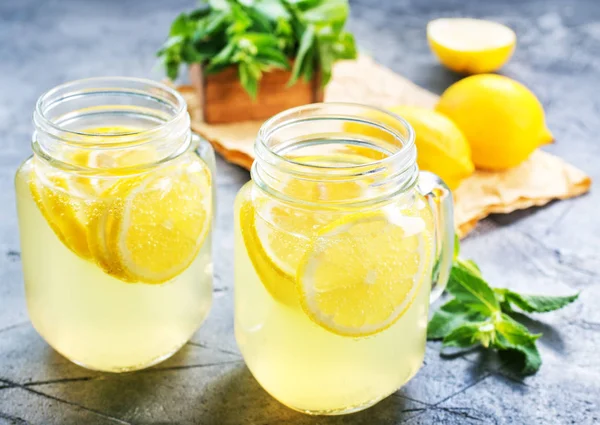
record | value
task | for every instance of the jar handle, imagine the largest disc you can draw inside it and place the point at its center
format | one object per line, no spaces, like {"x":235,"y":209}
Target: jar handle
{"x":440,"y":201}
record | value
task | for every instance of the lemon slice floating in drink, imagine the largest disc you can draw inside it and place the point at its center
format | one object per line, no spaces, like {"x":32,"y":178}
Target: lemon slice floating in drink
{"x":277,"y":235}
{"x":144,"y":226}
{"x":363,"y":271}
{"x":157,"y":222}
{"x":61,"y":213}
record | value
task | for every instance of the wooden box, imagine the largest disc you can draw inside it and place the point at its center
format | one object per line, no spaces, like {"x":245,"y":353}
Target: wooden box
{"x":224,"y":100}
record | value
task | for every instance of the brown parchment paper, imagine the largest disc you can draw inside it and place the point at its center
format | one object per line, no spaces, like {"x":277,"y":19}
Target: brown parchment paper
{"x":540,"y":179}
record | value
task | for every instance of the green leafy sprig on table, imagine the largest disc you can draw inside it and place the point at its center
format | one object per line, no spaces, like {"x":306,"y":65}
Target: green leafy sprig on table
{"x":480,"y":314}
{"x":258,"y":36}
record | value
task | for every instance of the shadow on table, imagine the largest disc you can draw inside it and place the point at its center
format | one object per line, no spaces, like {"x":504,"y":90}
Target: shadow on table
{"x":437,"y":78}
{"x":192,"y":389}
{"x":237,"y":395}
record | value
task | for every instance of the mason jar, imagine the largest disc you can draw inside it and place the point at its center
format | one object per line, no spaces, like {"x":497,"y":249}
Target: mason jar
{"x":115,"y":215}
{"x":341,"y":243}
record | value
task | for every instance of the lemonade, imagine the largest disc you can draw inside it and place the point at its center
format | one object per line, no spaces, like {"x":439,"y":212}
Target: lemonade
{"x":116,"y":243}
{"x":334,"y":260}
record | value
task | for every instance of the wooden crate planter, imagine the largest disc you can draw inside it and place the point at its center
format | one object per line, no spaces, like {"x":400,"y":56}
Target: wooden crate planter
{"x":224,"y":100}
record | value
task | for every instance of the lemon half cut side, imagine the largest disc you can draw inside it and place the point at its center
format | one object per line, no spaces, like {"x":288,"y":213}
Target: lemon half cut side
{"x":471,"y":46}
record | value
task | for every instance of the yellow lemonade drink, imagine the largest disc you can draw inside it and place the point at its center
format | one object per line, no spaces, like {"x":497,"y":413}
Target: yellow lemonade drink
{"x":116,"y":241}
{"x":333,"y":268}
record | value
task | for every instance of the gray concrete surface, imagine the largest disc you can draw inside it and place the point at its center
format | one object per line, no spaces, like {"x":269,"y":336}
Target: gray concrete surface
{"x":44,"y":43}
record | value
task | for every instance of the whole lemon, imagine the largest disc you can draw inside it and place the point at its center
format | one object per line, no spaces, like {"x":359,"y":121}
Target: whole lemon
{"x":502,"y":120}
{"x":441,"y":146}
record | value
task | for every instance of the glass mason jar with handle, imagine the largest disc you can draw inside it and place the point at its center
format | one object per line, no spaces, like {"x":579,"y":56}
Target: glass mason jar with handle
{"x":115,"y":215}
{"x":341,"y":243}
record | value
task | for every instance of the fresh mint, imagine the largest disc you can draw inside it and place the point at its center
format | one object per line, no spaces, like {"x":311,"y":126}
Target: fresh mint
{"x":258,"y":36}
{"x":481,"y":315}
{"x":532,"y":303}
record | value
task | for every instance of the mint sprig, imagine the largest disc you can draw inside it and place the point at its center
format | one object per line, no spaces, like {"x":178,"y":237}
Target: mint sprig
{"x":258,"y":36}
{"x":481,"y":315}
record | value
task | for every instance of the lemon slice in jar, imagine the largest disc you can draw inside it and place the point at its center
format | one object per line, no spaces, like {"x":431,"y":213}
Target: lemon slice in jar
{"x":61,"y":211}
{"x":277,"y":234}
{"x":278,"y":283}
{"x":156,"y":222}
{"x":363,"y":271}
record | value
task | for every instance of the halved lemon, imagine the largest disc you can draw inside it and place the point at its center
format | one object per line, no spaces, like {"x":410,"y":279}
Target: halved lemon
{"x":471,"y":46}
{"x":156,"y":222}
{"x":363,"y":271}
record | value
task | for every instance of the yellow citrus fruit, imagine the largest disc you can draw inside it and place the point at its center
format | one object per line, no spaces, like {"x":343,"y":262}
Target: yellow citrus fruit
{"x":362,"y":272}
{"x":278,"y":283}
{"x":156,"y":222}
{"x":64,"y":215}
{"x":276,"y":234}
{"x":441,"y":147}
{"x":471,"y":46}
{"x":502,"y":120}
{"x":138,"y":227}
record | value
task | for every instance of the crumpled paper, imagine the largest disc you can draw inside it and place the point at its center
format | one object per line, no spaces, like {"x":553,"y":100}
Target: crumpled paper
{"x":540,"y":179}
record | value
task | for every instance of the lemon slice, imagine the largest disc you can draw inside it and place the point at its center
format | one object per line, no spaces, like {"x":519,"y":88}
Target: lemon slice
{"x":277,"y":282}
{"x":156,"y":222}
{"x":277,"y":234}
{"x":363,"y":271}
{"x":471,"y":46}
{"x":285,"y":230}
{"x":61,"y":211}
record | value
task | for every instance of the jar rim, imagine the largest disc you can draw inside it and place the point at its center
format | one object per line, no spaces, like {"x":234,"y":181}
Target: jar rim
{"x":394,"y":173}
{"x":293,"y":115}
{"x":98,"y":85}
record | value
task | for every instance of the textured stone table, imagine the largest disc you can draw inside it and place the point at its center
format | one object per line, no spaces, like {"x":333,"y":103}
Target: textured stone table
{"x":44,"y":43}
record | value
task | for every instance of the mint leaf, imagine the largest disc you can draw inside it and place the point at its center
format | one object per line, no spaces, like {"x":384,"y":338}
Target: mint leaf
{"x":511,"y":335}
{"x":456,"y":247}
{"x":450,"y":316}
{"x":468,"y":287}
{"x":473,"y":268}
{"x":469,"y":334}
{"x":535,"y":303}
{"x":477,"y":314}
{"x":307,"y":41}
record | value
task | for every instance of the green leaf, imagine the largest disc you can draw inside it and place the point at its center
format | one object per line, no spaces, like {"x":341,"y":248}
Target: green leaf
{"x":248,"y":79}
{"x":241,"y":20}
{"x":470,"y":288}
{"x":273,"y":57}
{"x":219,"y":5}
{"x":450,"y":316}
{"x":209,"y":26}
{"x":511,"y":335}
{"x":224,"y":56}
{"x":472,"y":266}
{"x":469,"y":334}
{"x":172,"y":68}
{"x":456,"y":247}
{"x":536,"y":303}
{"x":345,"y":47}
{"x":327,"y":11}
{"x":326,"y":59}
{"x":199,"y":13}
{"x":180,"y":25}
{"x":273,"y":9}
{"x":308,"y":38}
